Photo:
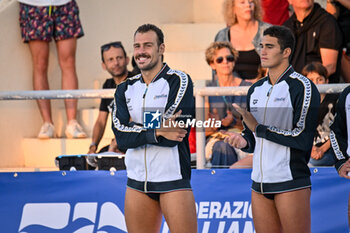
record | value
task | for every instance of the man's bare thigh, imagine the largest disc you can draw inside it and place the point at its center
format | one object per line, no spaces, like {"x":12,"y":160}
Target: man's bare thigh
{"x":142,"y":214}
{"x":179,"y":211}
{"x":294,"y":210}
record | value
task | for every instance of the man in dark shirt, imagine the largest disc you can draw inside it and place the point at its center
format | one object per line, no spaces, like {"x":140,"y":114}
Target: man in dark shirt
{"x":114,"y":61}
{"x":318,"y":37}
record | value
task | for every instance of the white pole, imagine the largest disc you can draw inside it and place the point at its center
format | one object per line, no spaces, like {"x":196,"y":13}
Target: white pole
{"x":200,"y":133}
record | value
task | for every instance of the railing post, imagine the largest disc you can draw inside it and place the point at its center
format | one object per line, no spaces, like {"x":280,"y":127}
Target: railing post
{"x":200,"y":134}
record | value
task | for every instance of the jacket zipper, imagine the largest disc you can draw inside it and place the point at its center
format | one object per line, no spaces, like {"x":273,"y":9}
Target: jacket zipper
{"x":143,"y":106}
{"x":262,"y":141}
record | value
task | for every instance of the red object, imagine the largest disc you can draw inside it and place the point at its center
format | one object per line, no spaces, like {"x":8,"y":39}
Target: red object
{"x":275,"y":11}
{"x":192,"y":140}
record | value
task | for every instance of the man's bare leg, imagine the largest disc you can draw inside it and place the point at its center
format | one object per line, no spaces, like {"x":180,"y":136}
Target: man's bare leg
{"x":265,"y":215}
{"x":294,"y":211}
{"x":179,"y":211}
{"x":142,"y":214}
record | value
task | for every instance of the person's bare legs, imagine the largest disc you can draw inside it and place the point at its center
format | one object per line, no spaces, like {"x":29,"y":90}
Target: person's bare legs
{"x":66,"y":57}
{"x":246,"y":162}
{"x":179,"y":211}
{"x":142,"y":214}
{"x":294,"y":211}
{"x":265,"y":215}
{"x":40,"y":58}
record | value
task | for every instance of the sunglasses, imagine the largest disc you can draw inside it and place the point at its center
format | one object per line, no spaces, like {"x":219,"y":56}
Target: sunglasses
{"x":116,"y":44}
{"x":229,"y":58}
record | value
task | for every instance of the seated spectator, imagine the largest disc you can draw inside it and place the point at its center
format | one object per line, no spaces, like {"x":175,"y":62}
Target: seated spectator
{"x":340,"y":9}
{"x":244,"y":31}
{"x":322,"y":154}
{"x":318,"y":38}
{"x":221,"y":56}
{"x":114,"y":61}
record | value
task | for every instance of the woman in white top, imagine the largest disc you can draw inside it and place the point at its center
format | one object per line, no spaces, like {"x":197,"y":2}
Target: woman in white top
{"x":244,"y":31}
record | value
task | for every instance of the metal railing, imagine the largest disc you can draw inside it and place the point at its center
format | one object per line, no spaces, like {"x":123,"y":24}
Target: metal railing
{"x":200,"y":94}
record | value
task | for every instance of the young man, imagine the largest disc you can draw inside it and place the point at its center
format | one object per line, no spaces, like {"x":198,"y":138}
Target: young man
{"x":157,"y":160}
{"x":114,"y":61}
{"x":279,"y":129}
{"x":339,"y":136}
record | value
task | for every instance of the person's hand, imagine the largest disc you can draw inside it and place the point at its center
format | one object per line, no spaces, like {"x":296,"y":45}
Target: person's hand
{"x":113,"y":147}
{"x":92,"y":149}
{"x":213,"y":116}
{"x":317,"y":153}
{"x":236,"y":140}
{"x":248,"y":118}
{"x":227,"y":121}
{"x":173,"y":133}
{"x":345,"y":170}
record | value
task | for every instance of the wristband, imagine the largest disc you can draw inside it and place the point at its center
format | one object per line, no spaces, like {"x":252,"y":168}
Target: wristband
{"x":93,"y":144}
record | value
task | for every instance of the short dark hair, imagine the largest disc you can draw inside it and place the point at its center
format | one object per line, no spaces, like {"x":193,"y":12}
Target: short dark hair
{"x":284,"y":36}
{"x":115,"y":44}
{"x":150,"y":27}
{"x":316,"y":67}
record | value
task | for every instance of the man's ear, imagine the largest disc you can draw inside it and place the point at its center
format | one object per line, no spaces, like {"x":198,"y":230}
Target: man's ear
{"x":127,"y":59}
{"x":162,"y":48}
{"x":287,"y":52}
{"x":103,"y":66}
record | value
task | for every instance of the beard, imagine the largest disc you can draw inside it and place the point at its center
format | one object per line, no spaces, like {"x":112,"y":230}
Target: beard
{"x":149,"y":66}
{"x":117,"y":74}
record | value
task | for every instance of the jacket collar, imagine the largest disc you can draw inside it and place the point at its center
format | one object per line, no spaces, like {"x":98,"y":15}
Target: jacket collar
{"x":283,"y":76}
{"x":160,"y":74}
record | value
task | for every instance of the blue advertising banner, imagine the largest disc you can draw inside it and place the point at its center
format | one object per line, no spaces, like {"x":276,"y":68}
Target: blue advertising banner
{"x":93,"y":202}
